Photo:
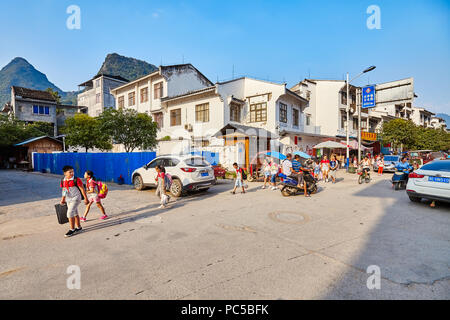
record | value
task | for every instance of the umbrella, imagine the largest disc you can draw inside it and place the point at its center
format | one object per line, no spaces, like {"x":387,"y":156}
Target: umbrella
{"x":302,"y":154}
{"x":329,"y":145}
{"x":276,"y":154}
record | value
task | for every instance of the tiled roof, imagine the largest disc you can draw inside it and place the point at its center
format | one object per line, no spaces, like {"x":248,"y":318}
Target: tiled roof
{"x":33,"y":94}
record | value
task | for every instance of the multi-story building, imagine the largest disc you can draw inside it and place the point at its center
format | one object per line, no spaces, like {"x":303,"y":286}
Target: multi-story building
{"x":422,"y":117}
{"x":37,"y":106}
{"x":438,"y":123}
{"x":96,"y":95}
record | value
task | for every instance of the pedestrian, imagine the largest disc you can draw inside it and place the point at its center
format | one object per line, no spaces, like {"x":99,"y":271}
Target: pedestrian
{"x":239,"y":182}
{"x":266,"y":172}
{"x":273,"y":174}
{"x":325,"y":167}
{"x":333,"y":168}
{"x":317,"y":169}
{"x":161,"y":186}
{"x":92,"y":195}
{"x":380,"y":164}
{"x":73,"y":193}
{"x":355,"y":162}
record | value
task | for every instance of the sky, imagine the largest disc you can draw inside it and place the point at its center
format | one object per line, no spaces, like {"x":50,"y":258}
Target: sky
{"x":283,"y":41}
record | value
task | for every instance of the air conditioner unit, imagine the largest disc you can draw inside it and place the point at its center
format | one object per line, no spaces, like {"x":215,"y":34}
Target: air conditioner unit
{"x":188,"y":127}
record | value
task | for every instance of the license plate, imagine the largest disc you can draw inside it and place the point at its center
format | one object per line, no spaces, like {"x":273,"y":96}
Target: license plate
{"x":204,"y":174}
{"x":439,"y":179}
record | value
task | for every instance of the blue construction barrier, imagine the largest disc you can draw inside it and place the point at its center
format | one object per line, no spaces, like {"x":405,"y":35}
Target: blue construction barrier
{"x":211,"y":157}
{"x":106,"y":166}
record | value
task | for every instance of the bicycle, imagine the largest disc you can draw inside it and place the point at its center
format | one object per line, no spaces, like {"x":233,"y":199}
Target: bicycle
{"x":364,"y":175}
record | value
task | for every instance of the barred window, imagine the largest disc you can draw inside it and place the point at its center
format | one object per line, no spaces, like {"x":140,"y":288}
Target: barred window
{"x":158,"y":90}
{"x":258,"y":112}
{"x":159,"y":119}
{"x":295,"y":115}
{"x":235,"y":112}
{"x":175,"y":117}
{"x":121,"y":102}
{"x":283,"y":112}
{"x":202,"y":112}
{"x":144,"y":94}
{"x":131,"y":99}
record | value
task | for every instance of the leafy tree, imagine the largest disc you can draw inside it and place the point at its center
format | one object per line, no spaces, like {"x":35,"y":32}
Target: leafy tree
{"x":55,"y":95}
{"x":13,"y":131}
{"x":81,"y":130}
{"x":399,"y":132}
{"x":130,"y":128}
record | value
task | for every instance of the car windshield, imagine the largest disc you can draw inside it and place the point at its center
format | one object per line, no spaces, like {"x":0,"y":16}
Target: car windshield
{"x":196,"y":162}
{"x":443,"y":165}
{"x":391,"y":158}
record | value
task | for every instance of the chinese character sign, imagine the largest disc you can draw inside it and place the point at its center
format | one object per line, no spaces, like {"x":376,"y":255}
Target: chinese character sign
{"x":368,"y":97}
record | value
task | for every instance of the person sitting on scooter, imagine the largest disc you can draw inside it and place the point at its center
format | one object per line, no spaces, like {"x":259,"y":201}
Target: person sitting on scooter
{"x":306,"y":169}
{"x":299,"y":169}
{"x":365,"y":164}
{"x":404,"y":166}
{"x":288,"y":170}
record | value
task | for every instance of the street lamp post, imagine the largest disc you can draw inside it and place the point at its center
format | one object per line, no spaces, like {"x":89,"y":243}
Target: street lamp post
{"x":359,"y":117}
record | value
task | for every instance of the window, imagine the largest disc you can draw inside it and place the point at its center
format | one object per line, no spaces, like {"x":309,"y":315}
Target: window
{"x":235,"y":112}
{"x":258,"y":112}
{"x":343,"y":121}
{"x":144,"y":94}
{"x":158,"y":90}
{"x":121,"y":102}
{"x":308,"y":120}
{"x":159,"y":119}
{"x":355,"y":124}
{"x":41,"y":110}
{"x":175,"y":117}
{"x":131,"y":100}
{"x":35,"y":109}
{"x":97,"y":98}
{"x":283,"y":112}
{"x":202,"y":112}
{"x":47,"y":110}
{"x":97,"y":83}
{"x":344,"y":97}
{"x":295,"y":115}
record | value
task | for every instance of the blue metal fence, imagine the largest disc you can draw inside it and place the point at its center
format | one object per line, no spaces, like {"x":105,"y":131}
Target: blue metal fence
{"x":106,"y":166}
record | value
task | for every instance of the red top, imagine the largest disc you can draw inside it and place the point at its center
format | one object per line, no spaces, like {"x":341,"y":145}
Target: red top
{"x":70,"y":183}
{"x":91,"y":184}
{"x":325,"y":161}
{"x":161,"y":175}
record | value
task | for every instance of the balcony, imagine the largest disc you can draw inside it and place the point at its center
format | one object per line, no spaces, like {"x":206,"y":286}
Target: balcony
{"x":309,"y":129}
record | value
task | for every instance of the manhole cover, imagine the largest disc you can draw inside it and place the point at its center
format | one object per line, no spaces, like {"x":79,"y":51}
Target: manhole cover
{"x":289,"y":217}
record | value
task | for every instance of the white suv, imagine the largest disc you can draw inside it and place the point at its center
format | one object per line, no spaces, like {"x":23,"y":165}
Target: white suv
{"x":188,"y":173}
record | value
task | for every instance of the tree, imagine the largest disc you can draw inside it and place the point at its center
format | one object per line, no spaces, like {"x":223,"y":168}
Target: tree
{"x":399,"y":132}
{"x":55,"y":95}
{"x":81,"y":130}
{"x":13,"y":131}
{"x":130,"y":128}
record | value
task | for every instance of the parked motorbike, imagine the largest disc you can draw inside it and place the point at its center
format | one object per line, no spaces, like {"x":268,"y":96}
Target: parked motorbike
{"x":289,"y":185}
{"x":400,"y":179}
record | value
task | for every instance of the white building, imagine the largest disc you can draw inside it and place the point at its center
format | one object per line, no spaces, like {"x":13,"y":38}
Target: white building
{"x":96,"y":95}
{"x":422,"y":117}
{"x":438,"y":123}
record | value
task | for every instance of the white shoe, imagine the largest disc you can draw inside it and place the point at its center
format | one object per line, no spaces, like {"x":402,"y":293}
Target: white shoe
{"x":263,"y":187}
{"x":161,"y":206}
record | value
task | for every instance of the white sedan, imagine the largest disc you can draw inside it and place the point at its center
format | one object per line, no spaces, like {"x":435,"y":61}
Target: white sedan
{"x":431,"y":181}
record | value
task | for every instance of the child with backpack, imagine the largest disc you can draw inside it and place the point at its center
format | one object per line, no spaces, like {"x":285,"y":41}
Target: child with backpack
{"x":162,"y":182}
{"x":94,"y":189}
{"x":240,"y":177}
{"x":72,"y":194}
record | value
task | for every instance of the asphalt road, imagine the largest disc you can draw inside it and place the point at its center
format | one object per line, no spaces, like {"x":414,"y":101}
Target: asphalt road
{"x":215,"y":245}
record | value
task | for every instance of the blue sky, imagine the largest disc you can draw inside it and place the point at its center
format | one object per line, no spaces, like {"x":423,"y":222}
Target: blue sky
{"x":276,"y":40}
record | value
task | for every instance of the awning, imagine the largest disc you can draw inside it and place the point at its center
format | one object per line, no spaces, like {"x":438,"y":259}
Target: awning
{"x":237,"y":130}
{"x":329,"y":145}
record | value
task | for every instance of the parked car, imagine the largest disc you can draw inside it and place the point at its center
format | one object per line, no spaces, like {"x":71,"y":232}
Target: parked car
{"x":431,"y":181}
{"x":219,"y":172}
{"x":189,"y":173}
{"x":389,"y":163}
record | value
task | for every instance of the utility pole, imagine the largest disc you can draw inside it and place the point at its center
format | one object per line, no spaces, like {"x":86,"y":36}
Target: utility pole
{"x":359,"y":127}
{"x":348,"y":126}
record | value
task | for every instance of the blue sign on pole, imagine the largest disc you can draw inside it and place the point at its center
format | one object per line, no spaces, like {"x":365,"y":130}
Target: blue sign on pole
{"x":368,"y":97}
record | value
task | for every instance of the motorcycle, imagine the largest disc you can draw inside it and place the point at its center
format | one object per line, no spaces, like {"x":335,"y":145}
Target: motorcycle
{"x":364,"y":175}
{"x":400,"y":179}
{"x":289,"y":185}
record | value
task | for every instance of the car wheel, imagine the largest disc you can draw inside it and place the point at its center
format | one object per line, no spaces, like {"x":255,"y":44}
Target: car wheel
{"x":138,"y":183}
{"x":414,"y":199}
{"x":176,"y":188}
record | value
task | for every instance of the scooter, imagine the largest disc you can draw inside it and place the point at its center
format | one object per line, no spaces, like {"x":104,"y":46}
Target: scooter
{"x":400,"y":179}
{"x":289,"y":185}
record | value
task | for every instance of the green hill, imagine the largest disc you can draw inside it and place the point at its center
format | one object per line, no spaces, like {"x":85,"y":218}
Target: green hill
{"x":128,"y":68}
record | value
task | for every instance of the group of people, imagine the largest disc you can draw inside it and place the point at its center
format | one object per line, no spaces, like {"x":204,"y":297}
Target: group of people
{"x":74,"y":192}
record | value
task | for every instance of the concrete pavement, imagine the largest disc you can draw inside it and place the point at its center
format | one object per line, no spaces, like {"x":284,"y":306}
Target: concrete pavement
{"x":215,"y":245}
